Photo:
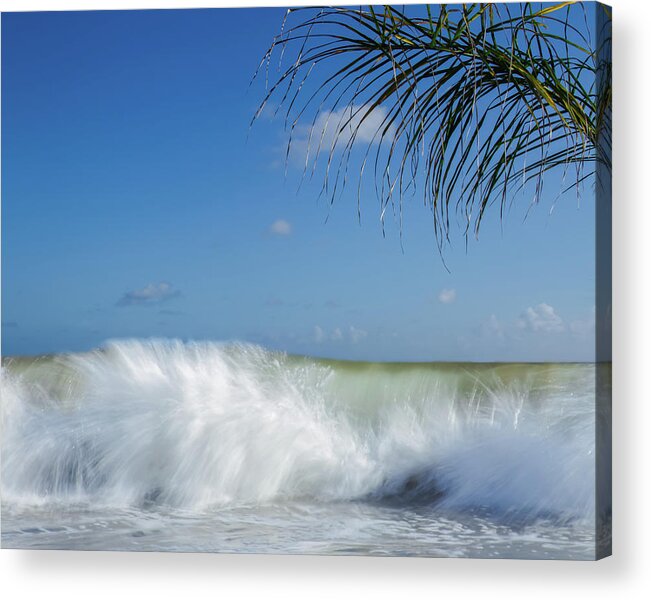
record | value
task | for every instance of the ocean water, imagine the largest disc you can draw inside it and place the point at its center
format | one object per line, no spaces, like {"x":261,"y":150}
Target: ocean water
{"x":205,"y":447}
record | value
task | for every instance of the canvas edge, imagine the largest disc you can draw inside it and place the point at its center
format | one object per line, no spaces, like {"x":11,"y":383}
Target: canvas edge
{"x":603,"y":306}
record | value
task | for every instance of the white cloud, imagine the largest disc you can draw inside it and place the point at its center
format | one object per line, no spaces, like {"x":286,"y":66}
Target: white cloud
{"x":447,"y":296}
{"x":152,"y":293}
{"x":541,"y":318}
{"x":539,"y":333}
{"x":356,"y":335}
{"x":319,"y":334}
{"x":334,"y":130}
{"x":353,"y":335}
{"x":280,"y":227}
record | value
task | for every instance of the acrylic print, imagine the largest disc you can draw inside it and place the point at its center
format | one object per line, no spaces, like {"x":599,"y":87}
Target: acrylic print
{"x":320,"y":281}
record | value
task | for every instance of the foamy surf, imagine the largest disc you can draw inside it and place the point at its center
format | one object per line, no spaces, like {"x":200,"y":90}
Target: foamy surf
{"x":167,"y":428}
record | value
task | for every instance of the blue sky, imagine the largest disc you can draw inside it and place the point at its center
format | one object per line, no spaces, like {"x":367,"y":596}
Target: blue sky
{"x":137,"y":203}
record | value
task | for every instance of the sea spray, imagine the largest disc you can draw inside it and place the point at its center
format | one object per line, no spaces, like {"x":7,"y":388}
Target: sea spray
{"x":199,"y":425}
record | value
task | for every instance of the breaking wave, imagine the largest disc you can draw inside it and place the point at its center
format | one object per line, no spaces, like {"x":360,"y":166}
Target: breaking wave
{"x":194,"y":425}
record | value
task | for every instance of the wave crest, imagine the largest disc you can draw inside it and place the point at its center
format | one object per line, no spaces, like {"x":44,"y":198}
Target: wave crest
{"x":203,"y":424}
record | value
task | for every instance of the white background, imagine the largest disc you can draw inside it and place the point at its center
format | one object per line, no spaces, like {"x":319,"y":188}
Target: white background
{"x":99,"y":575}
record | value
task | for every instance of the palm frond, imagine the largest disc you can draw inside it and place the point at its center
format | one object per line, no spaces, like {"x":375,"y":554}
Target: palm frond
{"x":475,"y":100}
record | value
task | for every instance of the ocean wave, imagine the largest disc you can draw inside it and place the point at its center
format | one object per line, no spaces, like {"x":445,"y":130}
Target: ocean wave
{"x":195,"y":425}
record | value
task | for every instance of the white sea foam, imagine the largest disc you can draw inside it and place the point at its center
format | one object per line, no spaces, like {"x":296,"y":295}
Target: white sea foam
{"x":199,"y":425}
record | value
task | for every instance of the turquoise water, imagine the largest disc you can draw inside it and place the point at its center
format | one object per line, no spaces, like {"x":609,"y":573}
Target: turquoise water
{"x":160,"y":445}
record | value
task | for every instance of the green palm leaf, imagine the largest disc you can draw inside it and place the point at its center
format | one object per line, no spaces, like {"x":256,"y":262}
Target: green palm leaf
{"x":477,"y":101}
